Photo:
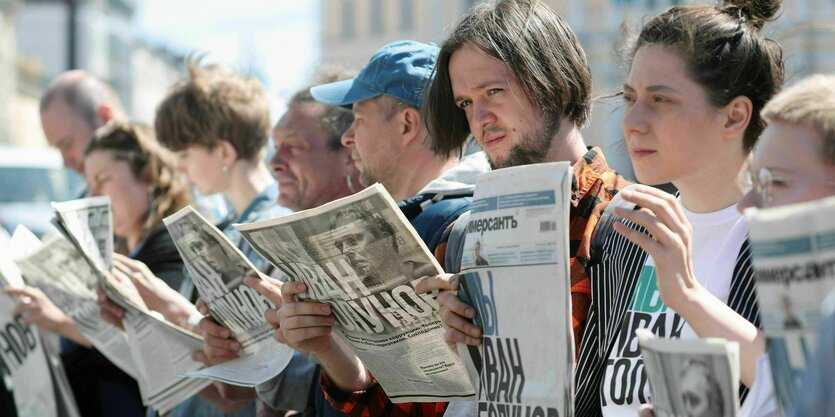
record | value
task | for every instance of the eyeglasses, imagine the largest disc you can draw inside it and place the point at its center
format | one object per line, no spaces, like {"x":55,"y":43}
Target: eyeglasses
{"x":763,"y":180}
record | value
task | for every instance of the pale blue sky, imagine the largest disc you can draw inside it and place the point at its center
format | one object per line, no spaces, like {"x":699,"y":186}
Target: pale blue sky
{"x":281,"y":36}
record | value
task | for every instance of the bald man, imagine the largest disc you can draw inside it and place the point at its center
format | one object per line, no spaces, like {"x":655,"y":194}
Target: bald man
{"x":72,"y":108}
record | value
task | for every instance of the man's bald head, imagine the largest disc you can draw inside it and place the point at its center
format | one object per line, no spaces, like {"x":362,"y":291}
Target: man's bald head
{"x":72,"y":108}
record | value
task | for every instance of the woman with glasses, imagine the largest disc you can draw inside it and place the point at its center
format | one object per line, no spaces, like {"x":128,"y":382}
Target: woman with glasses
{"x":679,"y":265}
{"x":794,"y":162}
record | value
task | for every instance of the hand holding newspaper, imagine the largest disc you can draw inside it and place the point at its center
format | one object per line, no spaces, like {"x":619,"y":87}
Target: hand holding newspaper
{"x":360,"y":255}
{"x":691,"y":377}
{"x":793,"y":250}
{"x":515,"y":274}
{"x":218,"y":269}
{"x":160,"y":351}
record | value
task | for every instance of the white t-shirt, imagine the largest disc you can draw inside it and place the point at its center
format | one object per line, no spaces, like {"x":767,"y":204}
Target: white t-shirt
{"x":717,"y":239}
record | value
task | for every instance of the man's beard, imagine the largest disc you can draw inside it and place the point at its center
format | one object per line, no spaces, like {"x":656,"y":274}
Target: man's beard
{"x":534,"y":146}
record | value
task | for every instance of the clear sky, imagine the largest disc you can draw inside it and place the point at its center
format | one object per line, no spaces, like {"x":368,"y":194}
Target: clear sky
{"x":279,"y":37}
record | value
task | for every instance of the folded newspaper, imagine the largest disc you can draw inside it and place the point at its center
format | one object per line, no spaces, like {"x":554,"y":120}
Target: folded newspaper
{"x":38,"y":388}
{"x":160,"y":351}
{"x":360,"y":255}
{"x":515,"y":274}
{"x":793,"y":250}
{"x":218,"y":269}
{"x":691,"y":377}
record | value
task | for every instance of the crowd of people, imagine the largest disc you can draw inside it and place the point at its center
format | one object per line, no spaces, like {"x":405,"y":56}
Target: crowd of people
{"x":703,"y":110}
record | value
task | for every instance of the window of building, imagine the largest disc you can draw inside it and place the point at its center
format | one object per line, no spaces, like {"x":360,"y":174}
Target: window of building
{"x":376,"y":16}
{"x":407,"y":14}
{"x":348,"y":29}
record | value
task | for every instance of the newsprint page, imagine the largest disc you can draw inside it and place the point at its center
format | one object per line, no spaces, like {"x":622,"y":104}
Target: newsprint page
{"x":794,"y":257}
{"x":160,"y":351}
{"x":515,"y":274}
{"x":23,"y":361}
{"x":360,"y":255}
{"x":218,"y":270}
{"x":691,"y":377}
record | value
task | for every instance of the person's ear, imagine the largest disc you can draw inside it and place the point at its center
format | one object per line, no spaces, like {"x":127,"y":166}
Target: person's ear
{"x":105,"y":113}
{"x":737,"y":116}
{"x":228,"y":154}
{"x":409,"y":124}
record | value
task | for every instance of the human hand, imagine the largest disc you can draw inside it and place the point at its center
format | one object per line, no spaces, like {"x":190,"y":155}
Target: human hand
{"x":668,"y":242}
{"x":456,"y":314}
{"x":218,"y":344}
{"x":35,"y":308}
{"x":108,"y":310}
{"x":151,"y":289}
{"x":303,"y":325}
{"x":646,"y":411}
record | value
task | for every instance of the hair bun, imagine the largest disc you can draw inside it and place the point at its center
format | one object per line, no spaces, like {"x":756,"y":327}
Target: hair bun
{"x":754,"y":12}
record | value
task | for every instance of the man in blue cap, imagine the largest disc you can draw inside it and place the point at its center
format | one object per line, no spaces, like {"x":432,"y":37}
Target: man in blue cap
{"x":390,"y":145}
{"x":389,"y":141}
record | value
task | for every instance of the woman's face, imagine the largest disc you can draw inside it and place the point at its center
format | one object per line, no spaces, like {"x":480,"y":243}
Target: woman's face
{"x":792,"y":155}
{"x":204,"y":168}
{"x":129,"y":196}
{"x":672,"y":132}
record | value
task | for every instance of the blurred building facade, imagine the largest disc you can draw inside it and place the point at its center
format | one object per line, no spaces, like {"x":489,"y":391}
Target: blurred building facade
{"x":354,"y":29}
{"x":47,"y":37}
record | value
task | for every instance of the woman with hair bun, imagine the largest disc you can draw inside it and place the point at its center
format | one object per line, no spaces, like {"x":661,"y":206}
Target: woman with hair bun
{"x":679,"y":265}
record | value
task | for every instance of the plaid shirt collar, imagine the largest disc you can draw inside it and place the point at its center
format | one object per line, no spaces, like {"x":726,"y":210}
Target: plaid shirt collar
{"x":587,"y":170}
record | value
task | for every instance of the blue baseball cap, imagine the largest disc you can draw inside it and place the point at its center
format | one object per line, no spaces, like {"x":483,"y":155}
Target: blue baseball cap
{"x":401,"y":69}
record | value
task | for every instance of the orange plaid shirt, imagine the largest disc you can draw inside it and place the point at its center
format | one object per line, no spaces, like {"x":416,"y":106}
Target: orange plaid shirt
{"x":593,"y":185}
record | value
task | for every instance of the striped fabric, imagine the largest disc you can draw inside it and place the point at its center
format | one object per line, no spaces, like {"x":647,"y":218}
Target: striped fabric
{"x":614,"y":276}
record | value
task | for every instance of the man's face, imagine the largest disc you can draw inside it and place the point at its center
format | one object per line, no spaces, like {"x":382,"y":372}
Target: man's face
{"x":374,"y":141}
{"x":309,"y":173}
{"x":208,"y":253}
{"x":351,"y":240}
{"x":501,"y":117}
{"x":67,"y":132}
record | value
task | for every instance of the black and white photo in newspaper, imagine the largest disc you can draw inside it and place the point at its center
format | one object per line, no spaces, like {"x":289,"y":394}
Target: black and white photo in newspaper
{"x":218,"y":269}
{"x":515,"y":274}
{"x":693,"y":377}
{"x":360,"y":255}
{"x":793,"y":250}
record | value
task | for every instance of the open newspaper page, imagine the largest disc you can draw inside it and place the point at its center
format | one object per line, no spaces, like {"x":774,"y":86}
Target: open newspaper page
{"x":59,"y":270}
{"x":24,"y":365}
{"x":90,"y":221}
{"x":515,"y":274}
{"x":360,"y":255}
{"x":160,"y":350}
{"x":218,"y":270}
{"x":691,"y":377}
{"x":793,"y":250}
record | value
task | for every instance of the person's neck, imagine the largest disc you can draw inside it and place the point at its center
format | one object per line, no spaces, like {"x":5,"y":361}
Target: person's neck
{"x":714,"y":187}
{"x":248,"y":179}
{"x":567,"y":144}
{"x":417,"y":170}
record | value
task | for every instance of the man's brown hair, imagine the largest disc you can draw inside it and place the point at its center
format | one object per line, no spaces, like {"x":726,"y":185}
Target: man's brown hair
{"x":214,"y":104}
{"x":540,"y":50}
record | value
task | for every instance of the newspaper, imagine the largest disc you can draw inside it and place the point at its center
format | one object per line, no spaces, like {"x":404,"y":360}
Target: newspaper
{"x":360,"y":255}
{"x":160,"y":350}
{"x":691,"y":377}
{"x":23,"y":362}
{"x":515,"y":274}
{"x":218,"y":269}
{"x":57,"y":269}
{"x":793,"y":249}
